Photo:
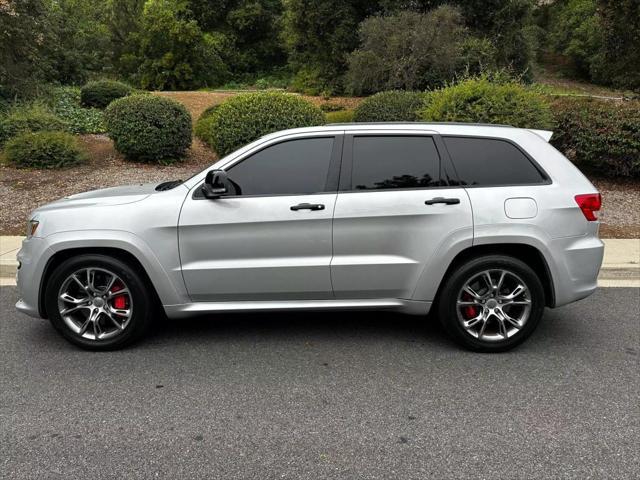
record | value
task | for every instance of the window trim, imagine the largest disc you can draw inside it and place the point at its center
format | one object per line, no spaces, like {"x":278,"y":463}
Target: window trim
{"x":331,"y":181}
{"x":546,"y":179}
{"x":346,"y":172}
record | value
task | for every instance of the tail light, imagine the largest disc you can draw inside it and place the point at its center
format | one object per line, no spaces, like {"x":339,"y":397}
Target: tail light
{"x":589,"y":203}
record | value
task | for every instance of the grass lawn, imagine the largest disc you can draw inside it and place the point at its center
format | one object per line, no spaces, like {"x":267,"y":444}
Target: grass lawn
{"x":23,"y":190}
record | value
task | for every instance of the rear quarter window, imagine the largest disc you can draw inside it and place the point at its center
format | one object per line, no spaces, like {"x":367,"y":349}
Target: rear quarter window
{"x":491,"y":162}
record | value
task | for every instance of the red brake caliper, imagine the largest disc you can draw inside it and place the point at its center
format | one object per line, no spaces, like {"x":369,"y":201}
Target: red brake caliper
{"x":119,"y":302}
{"x":469,"y":311}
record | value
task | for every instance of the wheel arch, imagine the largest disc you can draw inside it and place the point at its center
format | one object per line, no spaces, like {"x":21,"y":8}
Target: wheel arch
{"x":529,"y":254}
{"x":60,"y":256}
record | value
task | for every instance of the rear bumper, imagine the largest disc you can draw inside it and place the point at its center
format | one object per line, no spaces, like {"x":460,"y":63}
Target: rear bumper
{"x":576,"y":263}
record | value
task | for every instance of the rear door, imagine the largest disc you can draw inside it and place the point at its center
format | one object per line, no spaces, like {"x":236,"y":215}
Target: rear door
{"x":395,"y":208}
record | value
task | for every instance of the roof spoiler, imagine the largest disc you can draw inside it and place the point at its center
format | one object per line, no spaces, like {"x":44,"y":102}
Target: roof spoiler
{"x":544,"y":134}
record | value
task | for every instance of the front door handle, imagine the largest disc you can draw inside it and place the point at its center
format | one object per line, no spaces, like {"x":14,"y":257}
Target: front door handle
{"x":307,"y":206}
{"x":446,"y":201}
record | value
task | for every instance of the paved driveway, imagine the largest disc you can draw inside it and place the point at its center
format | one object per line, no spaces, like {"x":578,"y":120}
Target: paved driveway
{"x":325,"y":396}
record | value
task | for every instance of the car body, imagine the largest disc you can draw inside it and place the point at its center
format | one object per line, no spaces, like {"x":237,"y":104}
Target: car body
{"x":359,"y":227}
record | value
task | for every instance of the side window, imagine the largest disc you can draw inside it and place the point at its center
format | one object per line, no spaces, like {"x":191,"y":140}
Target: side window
{"x":486,"y":162}
{"x":394,"y":162}
{"x":291,"y":167}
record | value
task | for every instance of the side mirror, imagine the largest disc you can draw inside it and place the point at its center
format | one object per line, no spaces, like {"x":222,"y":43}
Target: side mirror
{"x":215,"y":184}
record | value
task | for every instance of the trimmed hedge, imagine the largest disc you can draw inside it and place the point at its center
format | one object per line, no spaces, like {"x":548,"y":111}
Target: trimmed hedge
{"x":247,"y":117}
{"x":479,"y":100}
{"x":204,"y":124}
{"x":44,"y":150}
{"x":101,"y":93}
{"x":391,"y":106}
{"x":149,"y":128}
{"x":341,"y":116}
{"x":29,"y":119}
{"x":602,"y":137}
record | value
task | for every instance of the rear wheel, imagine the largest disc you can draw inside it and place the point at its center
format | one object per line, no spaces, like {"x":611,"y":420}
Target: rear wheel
{"x":491,"y":303}
{"x":98,"y":302}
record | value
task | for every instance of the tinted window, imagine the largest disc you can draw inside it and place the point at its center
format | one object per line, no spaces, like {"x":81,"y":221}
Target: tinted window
{"x":296,"y":166}
{"x":485,"y":161}
{"x":394,"y":162}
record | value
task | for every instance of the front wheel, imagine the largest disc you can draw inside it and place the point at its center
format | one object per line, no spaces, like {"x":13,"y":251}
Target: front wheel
{"x":492,"y":303}
{"x":98,"y":302}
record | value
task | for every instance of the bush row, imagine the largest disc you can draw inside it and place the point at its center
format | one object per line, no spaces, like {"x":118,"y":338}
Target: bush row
{"x":601,"y":137}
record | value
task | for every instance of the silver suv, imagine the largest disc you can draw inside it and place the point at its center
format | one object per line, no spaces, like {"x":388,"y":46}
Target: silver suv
{"x":485,"y":224}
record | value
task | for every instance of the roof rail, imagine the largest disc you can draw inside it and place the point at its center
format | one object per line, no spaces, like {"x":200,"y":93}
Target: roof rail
{"x":419,"y":123}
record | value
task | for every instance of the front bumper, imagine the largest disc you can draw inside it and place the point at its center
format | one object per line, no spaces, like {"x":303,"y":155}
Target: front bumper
{"x":32,"y":259}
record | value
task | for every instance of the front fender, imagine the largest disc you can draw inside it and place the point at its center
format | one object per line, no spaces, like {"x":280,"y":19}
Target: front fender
{"x":162,"y":265}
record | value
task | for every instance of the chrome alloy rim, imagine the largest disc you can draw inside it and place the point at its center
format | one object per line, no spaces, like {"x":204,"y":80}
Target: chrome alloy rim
{"x":494,"y":305}
{"x":95,"y":303}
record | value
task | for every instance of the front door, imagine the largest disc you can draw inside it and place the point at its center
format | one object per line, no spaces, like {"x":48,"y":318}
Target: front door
{"x":394,"y":211}
{"x":271,"y":239}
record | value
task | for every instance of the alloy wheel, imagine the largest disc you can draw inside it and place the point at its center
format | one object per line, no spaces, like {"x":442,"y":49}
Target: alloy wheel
{"x":494,"y":305}
{"x":95,"y":303}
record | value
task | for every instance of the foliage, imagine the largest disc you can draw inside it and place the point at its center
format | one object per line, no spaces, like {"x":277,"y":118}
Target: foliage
{"x":80,"y":42}
{"x":31,"y":118}
{"x":149,"y":128}
{"x":619,"y":62}
{"x":318,"y":36}
{"x":23,"y":33}
{"x":65,"y":103}
{"x":101,"y":93}
{"x":392,"y":106}
{"x":599,"y":136}
{"x":174,"y":54}
{"x":204,"y":124}
{"x":409,"y":51}
{"x":246,"y":117}
{"x":248,"y":30}
{"x":340,"y":116}
{"x":574,"y":31}
{"x":44,"y":150}
{"x":479,"y":100}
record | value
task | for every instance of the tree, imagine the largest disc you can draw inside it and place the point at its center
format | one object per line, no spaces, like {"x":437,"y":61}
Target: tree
{"x":247,"y":31}
{"x":82,"y":43}
{"x":123,"y":20}
{"x":409,"y":51}
{"x":319,"y":34}
{"x":619,"y":61}
{"x":173,"y":52}
{"x":23,"y":34}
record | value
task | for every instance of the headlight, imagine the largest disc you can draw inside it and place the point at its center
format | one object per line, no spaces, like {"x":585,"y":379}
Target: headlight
{"x":32,"y":226}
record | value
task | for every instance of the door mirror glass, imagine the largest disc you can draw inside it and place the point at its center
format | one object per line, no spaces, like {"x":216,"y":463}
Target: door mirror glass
{"x":215,"y":184}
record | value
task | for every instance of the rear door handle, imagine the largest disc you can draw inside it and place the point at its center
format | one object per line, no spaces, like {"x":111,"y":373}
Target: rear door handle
{"x":307,"y":206}
{"x":446,"y":201}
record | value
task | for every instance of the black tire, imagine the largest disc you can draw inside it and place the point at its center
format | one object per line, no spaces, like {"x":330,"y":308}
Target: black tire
{"x":456,"y":280}
{"x":140,"y":292}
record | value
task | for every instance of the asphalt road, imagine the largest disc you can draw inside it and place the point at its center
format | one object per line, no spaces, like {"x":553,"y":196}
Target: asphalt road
{"x":325,"y":396}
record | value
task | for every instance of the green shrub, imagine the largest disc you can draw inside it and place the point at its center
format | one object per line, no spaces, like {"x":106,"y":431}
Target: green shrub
{"x":246,"y":117}
{"x":101,"y":93}
{"x":149,"y":128}
{"x":44,"y":150}
{"x":204,"y":124}
{"x":392,"y":106}
{"x":599,"y":136}
{"x":29,"y":119}
{"x":341,"y":116}
{"x":65,"y":102}
{"x":407,"y":51}
{"x":480,"y":100}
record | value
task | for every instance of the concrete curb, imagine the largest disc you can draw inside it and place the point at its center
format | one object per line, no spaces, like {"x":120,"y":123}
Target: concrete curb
{"x":620,"y":268}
